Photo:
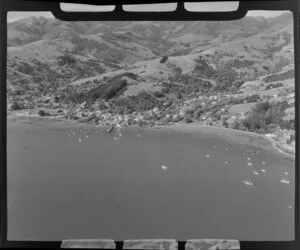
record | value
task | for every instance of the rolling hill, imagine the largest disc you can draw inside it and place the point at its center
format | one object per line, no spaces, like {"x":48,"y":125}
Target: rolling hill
{"x":55,"y":53}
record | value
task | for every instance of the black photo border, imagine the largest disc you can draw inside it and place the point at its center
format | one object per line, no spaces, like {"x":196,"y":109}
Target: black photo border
{"x":119,"y":15}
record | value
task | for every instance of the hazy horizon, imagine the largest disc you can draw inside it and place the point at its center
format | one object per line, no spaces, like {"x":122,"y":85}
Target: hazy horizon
{"x":13,"y":16}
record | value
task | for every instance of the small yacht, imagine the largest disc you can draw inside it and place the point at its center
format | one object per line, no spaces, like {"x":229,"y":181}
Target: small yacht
{"x":110,"y":129}
{"x":164,"y":168}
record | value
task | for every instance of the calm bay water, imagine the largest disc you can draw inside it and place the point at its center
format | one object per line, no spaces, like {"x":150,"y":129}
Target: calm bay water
{"x":112,"y":186}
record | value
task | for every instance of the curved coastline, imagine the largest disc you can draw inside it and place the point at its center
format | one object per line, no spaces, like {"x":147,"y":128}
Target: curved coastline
{"x":227,"y":133}
{"x":238,"y":136}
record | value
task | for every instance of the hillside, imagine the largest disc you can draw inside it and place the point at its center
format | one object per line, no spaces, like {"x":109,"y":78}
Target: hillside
{"x":50,"y":50}
{"x":156,"y":71}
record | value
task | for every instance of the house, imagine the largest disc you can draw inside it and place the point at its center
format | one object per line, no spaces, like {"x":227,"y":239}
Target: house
{"x":270,"y":135}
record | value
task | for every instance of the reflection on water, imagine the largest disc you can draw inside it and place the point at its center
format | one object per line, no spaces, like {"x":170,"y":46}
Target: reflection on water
{"x":134,"y":183}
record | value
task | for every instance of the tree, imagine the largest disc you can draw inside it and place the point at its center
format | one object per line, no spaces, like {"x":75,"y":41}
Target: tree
{"x":253,"y":98}
{"x":158,"y":94}
{"x":264,"y":115}
{"x":188,"y":120}
{"x":42,"y":113}
{"x":196,"y":114}
{"x":236,"y":124}
{"x":225,"y":124}
{"x":163,"y":59}
{"x":266,"y":68}
{"x":16,"y":106}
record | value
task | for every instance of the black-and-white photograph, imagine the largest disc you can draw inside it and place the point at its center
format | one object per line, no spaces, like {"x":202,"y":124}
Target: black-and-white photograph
{"x":151,"y":129}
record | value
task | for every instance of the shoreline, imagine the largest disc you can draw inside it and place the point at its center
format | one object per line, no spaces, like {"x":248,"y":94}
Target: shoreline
{"x":219,"y":131}
{"x":239,"y":136}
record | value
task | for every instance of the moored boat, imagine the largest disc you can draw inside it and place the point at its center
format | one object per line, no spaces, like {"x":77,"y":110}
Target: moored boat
{"x":110,"y":129}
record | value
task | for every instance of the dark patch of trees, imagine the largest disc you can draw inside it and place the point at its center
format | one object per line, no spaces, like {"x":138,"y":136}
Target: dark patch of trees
{"x":236,"y":63}
{"x":127,"y":74}
{"x":288,"y":124}
{"x":43,"y":113}
{"x":226,"y":78}
{"x":66,"y":59}
{"x":188,"y":120}
{"x":235,"y":101}
{"x":185,"y":90}
{"x":106,"y":91}
{"x":141,"y":102}
{"x":158,"y":94}
{"x":203,"y":69}
{"x":112,"y":88}
{"x":253,"y":98}
{"x":280,"y":77}
{"x":274,"y":85}
{"x":266,"y":68}
{"x":163,"y":59}
{"x":25,"y":68}
{"x":16,"y":106}
{"x":265,"y":115}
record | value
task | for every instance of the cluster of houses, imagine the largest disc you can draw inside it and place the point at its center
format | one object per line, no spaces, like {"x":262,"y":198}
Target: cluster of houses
{"x":215,"y":112}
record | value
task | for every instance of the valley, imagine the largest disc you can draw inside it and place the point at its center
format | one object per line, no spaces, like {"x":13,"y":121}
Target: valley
{"x":235,"y":74}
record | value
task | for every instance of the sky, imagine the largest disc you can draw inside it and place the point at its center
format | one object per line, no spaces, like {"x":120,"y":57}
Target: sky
{"x":208,"y":6}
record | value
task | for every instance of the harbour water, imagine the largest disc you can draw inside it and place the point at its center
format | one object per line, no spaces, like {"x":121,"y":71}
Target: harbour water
{"x":144,"y":183}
